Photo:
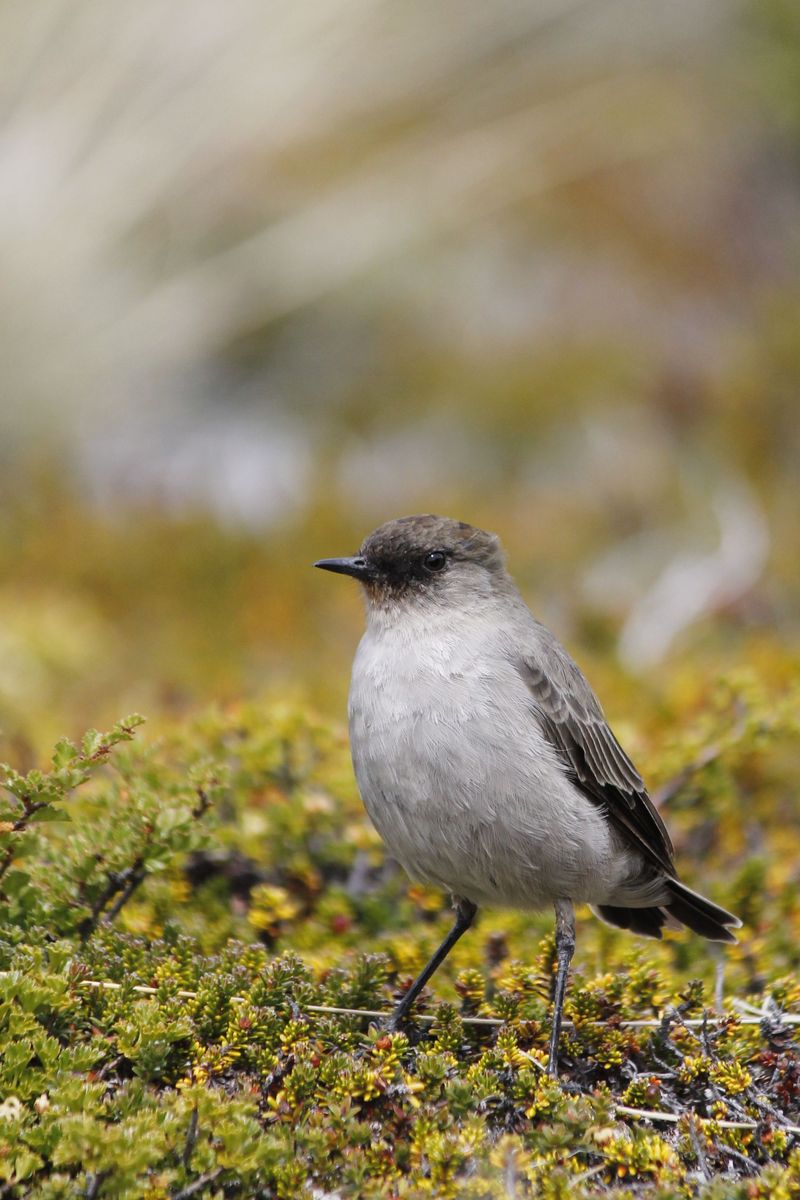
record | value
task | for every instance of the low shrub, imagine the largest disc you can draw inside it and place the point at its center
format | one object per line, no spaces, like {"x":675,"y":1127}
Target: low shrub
{"x":185,"y":920}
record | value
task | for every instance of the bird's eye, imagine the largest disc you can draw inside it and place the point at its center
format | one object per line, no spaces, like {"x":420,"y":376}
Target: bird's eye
{"x":435,"y":561}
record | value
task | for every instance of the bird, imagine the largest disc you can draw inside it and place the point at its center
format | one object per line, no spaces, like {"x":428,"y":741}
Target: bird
{"x":483,"y":757}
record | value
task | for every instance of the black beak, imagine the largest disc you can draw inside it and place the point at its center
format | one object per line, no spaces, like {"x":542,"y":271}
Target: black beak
{"x":357,"y":567}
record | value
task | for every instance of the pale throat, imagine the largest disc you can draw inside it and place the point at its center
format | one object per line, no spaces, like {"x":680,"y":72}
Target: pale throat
{"x":442,"y":620}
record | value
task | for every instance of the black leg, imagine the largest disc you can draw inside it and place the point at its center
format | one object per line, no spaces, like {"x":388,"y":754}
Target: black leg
{"x":465,"y":915}
{"x":565,"y":948}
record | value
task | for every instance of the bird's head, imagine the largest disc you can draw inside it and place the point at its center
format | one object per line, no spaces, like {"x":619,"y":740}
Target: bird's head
{"x":423,"y":558}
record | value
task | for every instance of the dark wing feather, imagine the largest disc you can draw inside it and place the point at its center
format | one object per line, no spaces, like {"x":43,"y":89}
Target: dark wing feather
{"x":573,"y":722}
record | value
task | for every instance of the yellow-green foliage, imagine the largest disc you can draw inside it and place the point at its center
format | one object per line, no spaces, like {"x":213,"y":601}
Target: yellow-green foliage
{"x":176,"y":911}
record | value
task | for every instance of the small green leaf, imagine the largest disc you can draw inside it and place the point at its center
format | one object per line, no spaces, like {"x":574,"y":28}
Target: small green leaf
{"x":91,"y":743}
{"x":49,"y":813}
{"x":64,"y":753}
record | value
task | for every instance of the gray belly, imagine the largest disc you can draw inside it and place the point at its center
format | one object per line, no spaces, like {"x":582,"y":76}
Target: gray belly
{"x":467,"y":794}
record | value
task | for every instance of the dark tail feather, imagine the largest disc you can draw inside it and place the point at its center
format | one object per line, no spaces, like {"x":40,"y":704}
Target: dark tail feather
{"x":699,"y":914}
{"x":646,"y":921}
{"x":684,"y":907}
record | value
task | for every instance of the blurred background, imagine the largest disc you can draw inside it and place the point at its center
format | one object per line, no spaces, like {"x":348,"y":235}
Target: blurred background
{"x":274,"y":274}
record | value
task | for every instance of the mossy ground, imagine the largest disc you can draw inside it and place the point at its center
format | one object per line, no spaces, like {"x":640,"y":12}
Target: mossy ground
{"x":179,"y":905}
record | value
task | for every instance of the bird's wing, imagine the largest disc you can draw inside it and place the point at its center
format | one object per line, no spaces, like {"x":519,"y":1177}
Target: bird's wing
{"x":573,"y":722}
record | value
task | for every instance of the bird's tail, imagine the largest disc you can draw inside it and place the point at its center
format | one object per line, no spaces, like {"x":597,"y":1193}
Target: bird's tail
{"x":683,"y":907}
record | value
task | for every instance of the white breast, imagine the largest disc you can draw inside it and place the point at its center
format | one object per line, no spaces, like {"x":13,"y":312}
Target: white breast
{"x":457,"y":776}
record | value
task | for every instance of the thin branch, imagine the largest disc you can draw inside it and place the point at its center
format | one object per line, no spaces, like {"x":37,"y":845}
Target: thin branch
{"x":653,"y":1114}
{"x":197,"y":1185}
{"x":93,"y":1182}
{"x":747,"y":1163}
{"x":752,"y":1017}
{"x":107,"y":1068}
{"x":204,"y":803}
{"x":699,"y":1153}
{"x":191,"y":1139}
{"x":137,"y":874}
{"x":19,"y":825}
{"x":123,"y":881}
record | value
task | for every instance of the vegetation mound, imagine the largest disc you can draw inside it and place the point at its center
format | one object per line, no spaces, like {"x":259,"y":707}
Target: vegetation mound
{"x":198,"y":932}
